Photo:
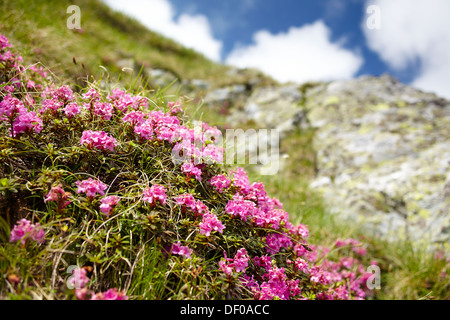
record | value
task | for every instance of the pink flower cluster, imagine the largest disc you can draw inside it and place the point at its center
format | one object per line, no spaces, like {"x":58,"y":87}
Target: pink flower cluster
{"x":210,"y":223}
{"x":177,"y":248}
{"x":174,"y":108}
{"x":133,"y":117}
{"x":187,"y":200}
{"x":276,"y":241}
{"x":157,"y":125}
{"x":220,"y":182}
{"x":6,"y":55}
{"x":10,"y":107}
{"x":191,"y":169}
{"x":237,"y":264}
{"x":155,"y":193}
{"x":71,"y":110}
{"x":274,"y":283}
{"x":58,"y":195}
{"x":27,"y":122}
{"x":110,"y":294}
{"x":241,"y":180}
{"x":108,"y":203}
{"x":264,"y":214}
{"x":98,"y":139}
{"x":124,"y":101}
{"x":13,"y":111}
{"x":79,"y":278}
{"x":104,"y":110}
{"x":91,"y":187}
{"x":57,"y":98}
{"x":79,"y":281}
{"x":24,"y":230}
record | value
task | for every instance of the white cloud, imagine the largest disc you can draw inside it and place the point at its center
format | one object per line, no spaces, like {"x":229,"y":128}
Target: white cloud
{"x":411,"y":32}
{"x":301,"y":54}
{"x":192,"y":31}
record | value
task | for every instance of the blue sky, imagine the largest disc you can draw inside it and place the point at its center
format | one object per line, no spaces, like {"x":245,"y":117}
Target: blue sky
{"x":235,"y":22}
{"x":307,"y":40}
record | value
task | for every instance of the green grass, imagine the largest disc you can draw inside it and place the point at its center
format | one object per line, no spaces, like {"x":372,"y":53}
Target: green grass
{"x":38,"y":30}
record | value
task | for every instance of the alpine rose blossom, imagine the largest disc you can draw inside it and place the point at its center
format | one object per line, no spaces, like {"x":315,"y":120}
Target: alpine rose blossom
{"x":26,"y":122}
{"x":110,"y":294}
{"x":91,"y":187}
{"x":191,"y":169}
{"x":58,"y":195}
{"x":210,"y":223}
{"x":24,"y":230}
{"x":98,"y":139}
{"x":220,"y":182}
{"x":71,"y":110}
{"x":177,"y":248}
{"x":187,"y":200}
{"x":79,"y":278}
{"x":108,"y":203}
{"x":155,"y":193}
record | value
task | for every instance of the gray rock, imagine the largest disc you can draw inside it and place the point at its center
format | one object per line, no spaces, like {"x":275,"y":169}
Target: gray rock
{"x":160,"y":78}
{"x":386,"y":148}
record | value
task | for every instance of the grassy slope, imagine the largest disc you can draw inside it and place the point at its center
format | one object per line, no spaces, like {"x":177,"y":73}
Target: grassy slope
{"x":38,"y":30}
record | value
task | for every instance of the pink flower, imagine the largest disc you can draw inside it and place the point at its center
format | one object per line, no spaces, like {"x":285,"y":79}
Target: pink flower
{"x":301,"y":265}
{"x":30,"y":84}
{"x":98,"y":139}
{"x":104,"y":110}
{"x":319,"y":275}
{"x":108,"y":203}
{"x":276,"y":241}
{"x":10,"y":107}
{"x":187,"y":200}
{"x":212,"y":153}
{"x":79,"y":278}
{"x":58,"y":194}
{"x":241,"y":260}
{"x":200,"y":208}
{"x":240,"y":207}
{"x":154,"y":193}
{"x":240,"y":180}
{"x":302,"y":230}
{"x":64,"y":94}
{"x":26,"y":122}
{"x":41,"y":72}
{"x":92,"y":95}
{"x":24,"y":230}
{"x":263,"y":261}
{"x":72,"y":109}
{"x":191,"y":169}
{"x":226,"y":268}
{"x":4,"y":42}
{"x":122,"y":100}
{"x":210,"y":223}
{"x":110,"y":294}
{"x":175,"y":108}
{"x":91,"y":187}
{"x":220,"y":182}
{"x":134,"y":117}
{"x":181,"y":250}
{"x":347,"y":242}
{"x":145,"y":130}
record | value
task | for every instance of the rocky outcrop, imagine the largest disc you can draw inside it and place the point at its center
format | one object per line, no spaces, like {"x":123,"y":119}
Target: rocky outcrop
{"x":383,"y":148}
{"x":383,"y":156}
